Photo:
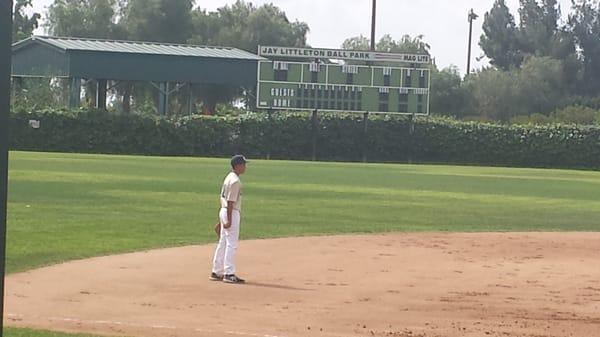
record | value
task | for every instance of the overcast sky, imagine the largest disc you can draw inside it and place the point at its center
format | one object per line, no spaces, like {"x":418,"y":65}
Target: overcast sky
{"x":442,"y":22}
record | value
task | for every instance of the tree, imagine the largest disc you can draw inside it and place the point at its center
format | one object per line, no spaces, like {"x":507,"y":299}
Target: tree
{"x":357,"y":43}
{"x":537,"y":87}
{"x":84,"y":18}
{"x":499,"y":40}
{"x":23,"y":25}
{"x":541,"y":85}
{"x":212,"y":94}
{"x":584,"y":23}
{"x":31,"y":94}
{"x":167,"y":21}
{"x":539,"y":30}
{"x":406,"y":44}
{"x":244,"y":26}
{"x":448,"y":96}
{"x":492,"y":94}
{"x":538,"y":34}
{"x":268,"y":25}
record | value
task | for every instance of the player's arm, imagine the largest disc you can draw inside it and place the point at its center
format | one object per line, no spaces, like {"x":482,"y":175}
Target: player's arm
{"x":229,"y":214}
{"x":232,"y":197}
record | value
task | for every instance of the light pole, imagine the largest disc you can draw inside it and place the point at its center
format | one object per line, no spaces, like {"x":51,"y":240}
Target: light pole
{"x":472,"y":17}
{"x":6,"y":8}
{"x":373,"y":21}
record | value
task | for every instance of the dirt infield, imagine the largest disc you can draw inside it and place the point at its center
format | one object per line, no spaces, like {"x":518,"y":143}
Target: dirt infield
{"x":407,"y":285}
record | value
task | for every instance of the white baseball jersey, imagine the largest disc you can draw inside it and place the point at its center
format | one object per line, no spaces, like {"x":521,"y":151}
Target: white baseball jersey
{"x":232,"y":191}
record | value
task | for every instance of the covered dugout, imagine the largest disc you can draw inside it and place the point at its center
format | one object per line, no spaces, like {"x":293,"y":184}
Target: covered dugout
{"x":80,"y":59}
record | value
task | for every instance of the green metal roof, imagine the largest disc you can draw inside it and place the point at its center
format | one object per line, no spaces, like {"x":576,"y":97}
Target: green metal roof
{"x":145,"y":48}
{"x":43,"y":56}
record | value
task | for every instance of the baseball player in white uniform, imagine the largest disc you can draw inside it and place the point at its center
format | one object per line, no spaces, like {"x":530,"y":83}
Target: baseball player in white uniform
{"x":229,"y":217}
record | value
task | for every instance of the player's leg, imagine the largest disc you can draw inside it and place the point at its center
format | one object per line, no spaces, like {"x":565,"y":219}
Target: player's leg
{"x":231,"y":238}
{"x":219,"y":258}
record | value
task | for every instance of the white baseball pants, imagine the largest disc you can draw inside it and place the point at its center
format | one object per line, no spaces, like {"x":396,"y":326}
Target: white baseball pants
{"x":224,"y":260}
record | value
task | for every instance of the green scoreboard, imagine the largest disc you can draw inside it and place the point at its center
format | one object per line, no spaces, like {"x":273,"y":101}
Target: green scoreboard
{"x":343,"y":80}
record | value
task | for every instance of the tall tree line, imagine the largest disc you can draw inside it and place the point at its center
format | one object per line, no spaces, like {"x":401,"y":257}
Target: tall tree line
{"x":540,"y":64}
{"x":545,"y":64}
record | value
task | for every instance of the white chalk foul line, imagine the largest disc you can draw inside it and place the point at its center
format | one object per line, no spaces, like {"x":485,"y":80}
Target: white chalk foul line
{"x":136,"y":325}
{"x":249,"y":334}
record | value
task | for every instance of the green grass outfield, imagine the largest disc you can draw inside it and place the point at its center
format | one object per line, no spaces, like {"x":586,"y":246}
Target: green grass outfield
{"x":71,"y":206}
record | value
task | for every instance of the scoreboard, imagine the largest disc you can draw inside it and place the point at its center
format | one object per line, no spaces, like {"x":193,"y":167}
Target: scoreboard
{"x":311,"y":79}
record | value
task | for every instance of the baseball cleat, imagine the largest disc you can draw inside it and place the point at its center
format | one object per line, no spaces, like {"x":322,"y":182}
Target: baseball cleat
{"x":232,"y":279}
{"x":215,"y":277}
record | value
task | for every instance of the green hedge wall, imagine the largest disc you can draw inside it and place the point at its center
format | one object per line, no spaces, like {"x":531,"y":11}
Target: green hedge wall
{"x":299,"y":136}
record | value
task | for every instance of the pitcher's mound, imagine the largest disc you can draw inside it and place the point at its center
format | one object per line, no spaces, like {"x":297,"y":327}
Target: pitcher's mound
{"x":382,"y":285}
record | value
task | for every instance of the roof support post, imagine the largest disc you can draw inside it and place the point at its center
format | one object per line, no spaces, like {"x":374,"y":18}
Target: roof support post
{"x":190,"y":98}
{"x":163,"y":98}
{"x":101,"y":95}
{"x":75,"y":93}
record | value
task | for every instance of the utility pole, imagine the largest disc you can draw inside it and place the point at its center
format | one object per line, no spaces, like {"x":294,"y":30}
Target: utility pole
{"x":6,"y":8}
{"x":472,"y":17}
{"x":366,"y":114}
{"x":373,"y":21}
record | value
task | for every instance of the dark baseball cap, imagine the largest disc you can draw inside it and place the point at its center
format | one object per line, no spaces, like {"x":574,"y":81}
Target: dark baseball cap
{"x":238,"y":160}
